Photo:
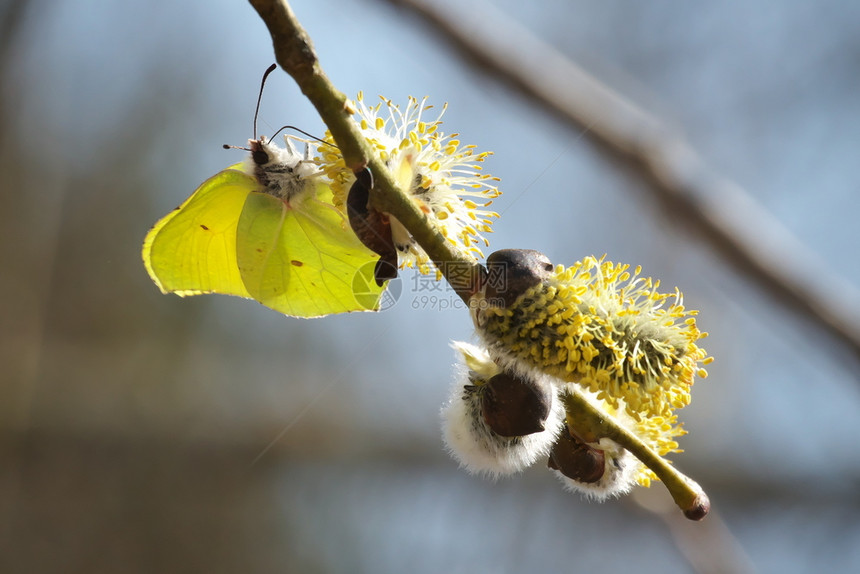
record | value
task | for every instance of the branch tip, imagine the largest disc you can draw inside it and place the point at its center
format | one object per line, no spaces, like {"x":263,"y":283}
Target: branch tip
{"x":699,"y":508}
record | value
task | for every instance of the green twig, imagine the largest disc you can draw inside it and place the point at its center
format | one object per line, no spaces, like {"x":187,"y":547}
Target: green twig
{"x":686,"y":493}
{"x":295,"y":54}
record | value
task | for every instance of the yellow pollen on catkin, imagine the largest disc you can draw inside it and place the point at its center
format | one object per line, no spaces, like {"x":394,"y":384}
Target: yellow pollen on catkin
{"x":438,"y":171}
{"x":597,"y":325}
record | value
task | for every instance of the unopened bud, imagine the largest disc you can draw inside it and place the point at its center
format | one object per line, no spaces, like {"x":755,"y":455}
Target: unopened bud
{"x":597,"y":470}
{"x":371,"y":226}
{"x":576,"y":460}
{"x":512,"y":272}
{"x":514,"y":406}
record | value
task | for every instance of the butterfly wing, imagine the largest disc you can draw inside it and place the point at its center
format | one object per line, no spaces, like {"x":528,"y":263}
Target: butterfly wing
{"x":304,"y":261}
{"x":192,"y":250}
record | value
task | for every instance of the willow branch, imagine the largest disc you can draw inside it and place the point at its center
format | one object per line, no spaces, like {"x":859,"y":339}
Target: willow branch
{"x":295,"y":54}
{"x":742,"y":232}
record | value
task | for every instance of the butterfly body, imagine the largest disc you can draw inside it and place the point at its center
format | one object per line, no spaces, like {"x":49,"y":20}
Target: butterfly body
{"x":282,"y":172}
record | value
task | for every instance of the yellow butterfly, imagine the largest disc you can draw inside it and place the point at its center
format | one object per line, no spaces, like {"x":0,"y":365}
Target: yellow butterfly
{"x":265,"y":229}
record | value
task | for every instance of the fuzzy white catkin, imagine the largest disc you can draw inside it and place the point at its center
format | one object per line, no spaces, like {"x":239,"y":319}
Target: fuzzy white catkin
{"x":468,"y":438}
{"x":618,"y":477}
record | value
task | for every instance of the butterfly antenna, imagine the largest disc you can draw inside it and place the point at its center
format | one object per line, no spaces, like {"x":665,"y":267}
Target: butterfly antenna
{"x":301,"y":131}
{"x":268,"y":71}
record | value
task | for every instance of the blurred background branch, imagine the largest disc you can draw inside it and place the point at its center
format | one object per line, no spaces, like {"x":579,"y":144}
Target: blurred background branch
{"x":702,"y":200}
